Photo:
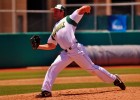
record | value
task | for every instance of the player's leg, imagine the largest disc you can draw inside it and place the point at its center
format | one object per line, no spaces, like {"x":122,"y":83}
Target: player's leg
{"x":83,"y":60}
{"x":57,"y":66}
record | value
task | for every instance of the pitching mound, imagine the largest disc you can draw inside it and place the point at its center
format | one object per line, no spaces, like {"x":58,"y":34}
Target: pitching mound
{"x":108,"y":93}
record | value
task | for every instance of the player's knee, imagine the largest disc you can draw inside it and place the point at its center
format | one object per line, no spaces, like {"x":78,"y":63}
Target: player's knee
{"x":96,"y":66}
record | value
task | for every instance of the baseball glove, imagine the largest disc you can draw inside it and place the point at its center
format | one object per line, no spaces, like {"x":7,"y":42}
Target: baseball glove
{"x":35,"y":41}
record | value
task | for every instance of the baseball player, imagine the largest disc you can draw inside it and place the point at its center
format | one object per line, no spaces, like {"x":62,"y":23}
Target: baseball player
{"x":64,"y":34}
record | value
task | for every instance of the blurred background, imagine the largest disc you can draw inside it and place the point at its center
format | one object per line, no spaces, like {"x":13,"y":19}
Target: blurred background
{"x":35,"y":15}
{"x":110,"y":23}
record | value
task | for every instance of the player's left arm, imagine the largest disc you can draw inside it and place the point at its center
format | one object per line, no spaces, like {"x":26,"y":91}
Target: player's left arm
{"x":48,"y":46}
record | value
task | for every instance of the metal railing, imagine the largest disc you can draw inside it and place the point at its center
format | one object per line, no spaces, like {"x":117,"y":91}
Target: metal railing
{"x":14,"y":11}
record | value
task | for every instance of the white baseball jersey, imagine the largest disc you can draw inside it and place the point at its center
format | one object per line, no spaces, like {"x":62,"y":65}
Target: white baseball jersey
{"x":64,"y":31}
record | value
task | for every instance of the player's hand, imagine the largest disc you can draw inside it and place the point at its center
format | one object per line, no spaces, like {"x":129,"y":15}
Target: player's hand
{"x":87,"y":9}
{"x":84,"y":9}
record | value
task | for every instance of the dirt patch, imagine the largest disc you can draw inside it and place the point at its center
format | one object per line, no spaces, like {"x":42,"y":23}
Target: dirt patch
{"x":109,"y":93}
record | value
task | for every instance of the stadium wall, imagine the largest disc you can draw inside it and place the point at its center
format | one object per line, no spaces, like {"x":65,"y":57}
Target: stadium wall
{"x":16,"y":50}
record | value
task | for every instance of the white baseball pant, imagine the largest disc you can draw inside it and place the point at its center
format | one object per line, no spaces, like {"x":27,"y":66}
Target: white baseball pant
{"x":80,"y":56}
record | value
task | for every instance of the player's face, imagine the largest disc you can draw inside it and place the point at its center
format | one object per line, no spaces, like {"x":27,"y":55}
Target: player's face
{"x":58,"y":14}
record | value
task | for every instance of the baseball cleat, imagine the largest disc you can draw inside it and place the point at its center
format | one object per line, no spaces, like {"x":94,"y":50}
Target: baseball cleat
{"x":118,"y":82}
{"x":44,"y":94}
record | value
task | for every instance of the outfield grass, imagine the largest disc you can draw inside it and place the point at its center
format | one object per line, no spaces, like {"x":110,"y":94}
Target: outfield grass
{"x":10,"y":90}
{"x":21,"y":75}
{"x":64,"y":73}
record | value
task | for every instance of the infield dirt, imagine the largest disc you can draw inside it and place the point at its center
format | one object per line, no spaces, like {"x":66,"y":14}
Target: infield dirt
{"x":111,"y":93}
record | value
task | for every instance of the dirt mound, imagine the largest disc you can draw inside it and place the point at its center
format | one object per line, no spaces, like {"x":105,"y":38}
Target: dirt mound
{"x":108,"y":93}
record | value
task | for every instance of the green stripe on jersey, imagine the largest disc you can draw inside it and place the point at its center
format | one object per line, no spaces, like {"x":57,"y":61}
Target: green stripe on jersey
{"x":70,"y":21}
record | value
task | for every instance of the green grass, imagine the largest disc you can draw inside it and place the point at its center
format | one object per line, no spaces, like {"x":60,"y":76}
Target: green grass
{"x":125,"y":70}
{"x":21,"y":89}
{"x":21,"y":75}
{"x":64,"y":73}
{"x":10,"y":90}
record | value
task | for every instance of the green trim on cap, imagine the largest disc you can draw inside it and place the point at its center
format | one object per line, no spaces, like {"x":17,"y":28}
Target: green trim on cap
{"x":70,"y":21}
{"x":60,"y":7}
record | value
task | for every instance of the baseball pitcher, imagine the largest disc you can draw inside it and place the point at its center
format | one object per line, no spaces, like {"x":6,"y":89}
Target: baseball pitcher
{"x":64,"y":34}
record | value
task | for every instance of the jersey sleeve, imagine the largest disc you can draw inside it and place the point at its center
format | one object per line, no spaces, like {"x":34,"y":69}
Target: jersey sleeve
{"x":76,"y":17}
{"x":52,"y":40}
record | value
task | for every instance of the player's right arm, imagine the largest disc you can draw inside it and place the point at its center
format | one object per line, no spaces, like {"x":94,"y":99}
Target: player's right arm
{"x":78,"y":13}
{"x":83,"y":10}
